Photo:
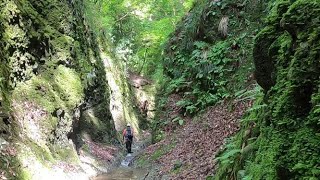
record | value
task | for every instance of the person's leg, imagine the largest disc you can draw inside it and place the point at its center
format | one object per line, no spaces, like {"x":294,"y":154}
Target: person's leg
{"x":128,"y":146}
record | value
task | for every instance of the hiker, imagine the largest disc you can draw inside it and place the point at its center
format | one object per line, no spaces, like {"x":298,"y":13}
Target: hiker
{"x":127,"y":135}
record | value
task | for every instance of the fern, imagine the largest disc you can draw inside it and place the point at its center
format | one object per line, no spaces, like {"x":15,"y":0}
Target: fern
{"x":257,"y":107}
{"x":226,"y":158}
{"x":251,"y":94}
{"x":183,"y":103}
{"x":175,"y":84}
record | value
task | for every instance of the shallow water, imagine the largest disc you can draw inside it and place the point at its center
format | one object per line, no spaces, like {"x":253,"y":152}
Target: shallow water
{"x":126,"y":162}
{"x":123,"y":173}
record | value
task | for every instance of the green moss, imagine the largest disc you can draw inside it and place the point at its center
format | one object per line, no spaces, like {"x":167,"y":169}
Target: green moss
{"x":24,"y":174}
{"x":69,"y":85}
{"x":52,"y":90}
{"x":42,"y":154}
{"x":163,"y":150}
{"x":278,"y":8}
{"x":31,"y":152}
{"x":46,"y":53}
{"x":97,"y":122}
{"x":288,"y":126}
{"x":66,"y":154}
{"x":142,"y":161}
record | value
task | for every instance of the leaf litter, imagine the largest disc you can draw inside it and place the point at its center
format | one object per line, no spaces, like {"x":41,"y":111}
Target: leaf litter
{"x":198,"y":141}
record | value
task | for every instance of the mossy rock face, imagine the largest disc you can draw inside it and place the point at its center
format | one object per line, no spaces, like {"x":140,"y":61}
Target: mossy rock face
{"x":262,"y":60}
{"x":96,"y":123}
{"x":286,"y":57}
{"x":47,"y":58}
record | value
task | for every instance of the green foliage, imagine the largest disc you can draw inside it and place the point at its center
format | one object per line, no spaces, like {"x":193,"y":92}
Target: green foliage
{"x":284,"y":128}
{"x":158,"y":136}
{"x":249,"y":94}
{"x":226,"y":157}
{"x":242,"y":146}
{"x":205,"y":72}
{"x":179,"y":120}
{"x":204,"y":67}
{"x":137,"y":28}
{"x":175,"y":84}
{"x":47,"y":52}
{"x":209,"y":65}
{"x":162,"y":151}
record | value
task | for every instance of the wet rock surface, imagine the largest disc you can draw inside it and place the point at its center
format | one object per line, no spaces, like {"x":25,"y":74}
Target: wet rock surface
{"x":124,"y":174}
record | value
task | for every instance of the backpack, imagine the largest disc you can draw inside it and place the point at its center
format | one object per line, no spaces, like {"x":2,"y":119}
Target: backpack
{"x":129,"y":133}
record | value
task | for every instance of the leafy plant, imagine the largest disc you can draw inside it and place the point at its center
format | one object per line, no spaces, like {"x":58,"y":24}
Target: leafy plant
{"x":179,"y":120}
{"x":250,"y":94}
{"x":175,"y":84}
{"x":205,"y":72}
{"x":227,"y":158}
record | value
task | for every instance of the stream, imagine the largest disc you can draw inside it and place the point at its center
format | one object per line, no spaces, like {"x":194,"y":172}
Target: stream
{"x":125,"y":171}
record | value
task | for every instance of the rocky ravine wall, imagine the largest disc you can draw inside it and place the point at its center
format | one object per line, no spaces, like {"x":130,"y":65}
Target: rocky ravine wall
{"x":282,"y":137}
{"x":53,"y":85}
{"x":287,"y":51}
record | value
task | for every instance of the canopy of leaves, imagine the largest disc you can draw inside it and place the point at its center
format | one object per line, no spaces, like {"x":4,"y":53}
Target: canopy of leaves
{"x":137,"y":28}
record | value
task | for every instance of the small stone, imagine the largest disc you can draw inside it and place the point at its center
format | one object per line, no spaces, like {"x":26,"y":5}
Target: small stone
{"x":3,"y":143}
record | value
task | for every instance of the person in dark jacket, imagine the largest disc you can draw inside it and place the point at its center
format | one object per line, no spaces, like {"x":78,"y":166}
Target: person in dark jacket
{"x":127,"y":136}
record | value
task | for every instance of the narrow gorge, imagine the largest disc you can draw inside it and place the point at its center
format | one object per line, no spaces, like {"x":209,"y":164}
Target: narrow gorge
{"x":212,"y":89}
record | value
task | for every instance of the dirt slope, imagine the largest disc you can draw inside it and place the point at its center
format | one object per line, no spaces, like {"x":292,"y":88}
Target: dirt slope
{"x":195,"y":144}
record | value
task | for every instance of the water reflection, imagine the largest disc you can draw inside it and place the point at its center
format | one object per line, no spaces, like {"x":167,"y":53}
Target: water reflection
{"x":123,"y":173}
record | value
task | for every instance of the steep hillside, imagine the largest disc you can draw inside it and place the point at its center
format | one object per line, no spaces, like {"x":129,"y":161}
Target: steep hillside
{"x":209,"y":60}
{"x":209,"y":56}
{"x":214,"y":56}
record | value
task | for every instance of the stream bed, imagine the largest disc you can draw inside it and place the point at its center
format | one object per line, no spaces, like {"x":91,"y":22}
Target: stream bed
{"x":124,"y":171}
